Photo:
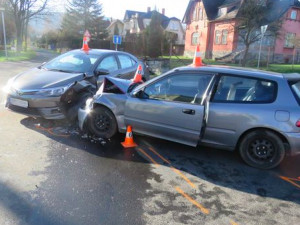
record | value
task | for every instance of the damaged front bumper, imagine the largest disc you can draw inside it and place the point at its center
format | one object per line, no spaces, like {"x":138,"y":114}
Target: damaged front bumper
{"x":82,"y":117}
{"x":48,"y":108}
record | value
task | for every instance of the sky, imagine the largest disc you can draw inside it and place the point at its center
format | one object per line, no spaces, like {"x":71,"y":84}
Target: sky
{"x":116,"y":8}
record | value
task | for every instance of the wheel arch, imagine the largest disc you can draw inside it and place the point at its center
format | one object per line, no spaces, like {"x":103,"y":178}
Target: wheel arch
{"x":107,"y":106}
{"x":280,"y":135}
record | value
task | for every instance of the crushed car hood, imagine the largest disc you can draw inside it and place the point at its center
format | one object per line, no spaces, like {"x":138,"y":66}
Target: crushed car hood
{"x":40,"y":78}
{"x":122,"y":84}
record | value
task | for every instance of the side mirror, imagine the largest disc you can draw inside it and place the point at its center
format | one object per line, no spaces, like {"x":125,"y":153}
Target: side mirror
{"x":140,"y":94}
{"x":100,"y":72}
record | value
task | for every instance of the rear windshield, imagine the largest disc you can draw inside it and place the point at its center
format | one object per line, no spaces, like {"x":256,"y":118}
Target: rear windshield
{"x":296,"y":90}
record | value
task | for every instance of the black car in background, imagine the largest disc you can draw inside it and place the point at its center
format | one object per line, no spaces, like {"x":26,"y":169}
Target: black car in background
{"x":55,"y":90}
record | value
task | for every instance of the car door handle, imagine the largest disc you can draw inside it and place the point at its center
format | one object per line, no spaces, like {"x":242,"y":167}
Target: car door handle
{"x":189,"y":111}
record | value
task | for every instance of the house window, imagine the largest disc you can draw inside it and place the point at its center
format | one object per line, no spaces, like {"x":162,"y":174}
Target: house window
{"x":195,"y":38}
{"x":294,"y":15}
{"x":222,"y":12}
{"x":289,"y":40}
{"x":195,"y":14}
{"x":200,"y":14}
{"x":224,"y":37}
{"x":218,"y":37}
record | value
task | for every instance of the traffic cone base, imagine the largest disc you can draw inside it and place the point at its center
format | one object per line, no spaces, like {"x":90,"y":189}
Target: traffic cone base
{"x":129,"y":143}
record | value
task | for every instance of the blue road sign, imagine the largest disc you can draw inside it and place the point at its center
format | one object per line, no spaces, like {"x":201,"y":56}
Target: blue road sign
{"x":117,"y":39}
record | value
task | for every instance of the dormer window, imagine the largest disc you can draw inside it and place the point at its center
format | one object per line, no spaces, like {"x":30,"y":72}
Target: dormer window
{"x":222,"y":11}
{"x":200,"y":14}
{"x":294,"y":14}
{"x":195,"y":14}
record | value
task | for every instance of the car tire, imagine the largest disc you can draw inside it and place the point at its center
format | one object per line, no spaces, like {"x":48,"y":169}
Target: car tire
{"x":262,"y":149}
{"x":102,"y":122}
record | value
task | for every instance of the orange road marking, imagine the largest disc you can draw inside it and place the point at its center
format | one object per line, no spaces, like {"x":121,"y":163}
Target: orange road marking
{"x":148,"y":156}
{"x":159,"y":155}
{"x":233,"y":223}
{"x":194,"y":202}
{"x":174,"y":169}
{"x":50,"y":131}
{"x":291,"y":180}
{"x":184,"y":177}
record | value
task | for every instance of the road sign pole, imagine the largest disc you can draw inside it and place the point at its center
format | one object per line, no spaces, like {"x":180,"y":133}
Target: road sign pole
{"x":4,"y":32}
{"x":263,"y":31}
{"x":117,"y":40}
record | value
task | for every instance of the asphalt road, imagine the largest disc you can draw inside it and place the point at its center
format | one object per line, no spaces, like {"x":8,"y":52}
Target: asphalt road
{"x":52,"y":174}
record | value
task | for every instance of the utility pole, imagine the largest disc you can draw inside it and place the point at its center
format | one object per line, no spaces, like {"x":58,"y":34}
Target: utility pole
{"x":263,"y":31}
{"x":4,"y":32}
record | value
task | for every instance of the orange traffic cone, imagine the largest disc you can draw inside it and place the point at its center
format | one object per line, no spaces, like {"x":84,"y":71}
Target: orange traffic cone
{"x":85,"y":46}
{"x":138,"y":75}
{"x":129,"y":143}
{"x":197,"y":59}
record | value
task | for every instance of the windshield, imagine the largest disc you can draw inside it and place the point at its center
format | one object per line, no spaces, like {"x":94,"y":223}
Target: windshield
{"x":72,"y":62}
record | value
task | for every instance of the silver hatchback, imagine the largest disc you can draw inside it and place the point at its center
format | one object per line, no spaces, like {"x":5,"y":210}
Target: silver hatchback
{"x":253,"y":111}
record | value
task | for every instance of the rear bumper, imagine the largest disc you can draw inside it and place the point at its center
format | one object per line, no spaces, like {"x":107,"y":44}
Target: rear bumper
{"x":294,"y":142}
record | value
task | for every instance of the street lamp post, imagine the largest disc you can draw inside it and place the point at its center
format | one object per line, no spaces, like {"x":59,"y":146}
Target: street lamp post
{"x":4,"y":32}
{"x":263,"y":31}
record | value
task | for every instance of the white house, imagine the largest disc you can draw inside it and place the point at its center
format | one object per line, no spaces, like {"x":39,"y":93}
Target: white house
{"x":135,"y":22}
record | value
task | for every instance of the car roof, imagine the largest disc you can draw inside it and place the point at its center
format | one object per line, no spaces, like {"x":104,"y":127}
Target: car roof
{"x":292,"y":77}
{"x":101,"y":51}
{"x":233,"y":70}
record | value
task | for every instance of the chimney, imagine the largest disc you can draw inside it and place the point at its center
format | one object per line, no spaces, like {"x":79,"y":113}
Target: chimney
{"x":148,"y":9}
{"x":163,"y":11}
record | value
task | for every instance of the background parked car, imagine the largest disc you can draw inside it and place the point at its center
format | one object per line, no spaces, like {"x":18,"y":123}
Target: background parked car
{"x":55,"y":90}
{"x":253,"y":111}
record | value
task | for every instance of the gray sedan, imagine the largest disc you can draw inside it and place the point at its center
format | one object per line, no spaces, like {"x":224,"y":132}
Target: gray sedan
{"x":55,"y":90}
{"x":252,"y":111}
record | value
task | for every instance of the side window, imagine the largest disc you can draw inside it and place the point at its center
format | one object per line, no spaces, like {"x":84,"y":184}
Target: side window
{"x":239,"y":89}
{"x":125,"y":61}
{"x":109,"y":63}
{"x":188,"y":88}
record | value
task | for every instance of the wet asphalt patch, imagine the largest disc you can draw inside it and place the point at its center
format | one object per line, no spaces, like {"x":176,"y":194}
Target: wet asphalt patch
{"x":193,"y":171}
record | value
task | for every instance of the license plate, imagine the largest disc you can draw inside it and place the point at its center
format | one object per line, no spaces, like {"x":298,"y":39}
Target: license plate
{"x":18,"y":102}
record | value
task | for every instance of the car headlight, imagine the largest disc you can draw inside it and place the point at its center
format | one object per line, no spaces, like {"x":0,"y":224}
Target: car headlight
{"x":53,"y":92}
{"x":89,"y":103}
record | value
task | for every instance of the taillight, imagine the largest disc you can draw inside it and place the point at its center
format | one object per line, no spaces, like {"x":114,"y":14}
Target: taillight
{"x":298,"y":123}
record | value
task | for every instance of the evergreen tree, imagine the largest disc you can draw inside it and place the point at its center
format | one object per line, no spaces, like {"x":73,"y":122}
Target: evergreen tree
{"x":84,"y":15}
{"x":155,"y":36}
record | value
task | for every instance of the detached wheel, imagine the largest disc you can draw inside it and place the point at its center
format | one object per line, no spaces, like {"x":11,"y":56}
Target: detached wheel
{"x":262,"y":149}
{"x":102,"y":122}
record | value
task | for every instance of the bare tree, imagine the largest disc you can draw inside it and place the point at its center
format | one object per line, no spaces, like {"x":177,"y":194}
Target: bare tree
{"x":251,"y":17}
{"x":23,"y":11}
